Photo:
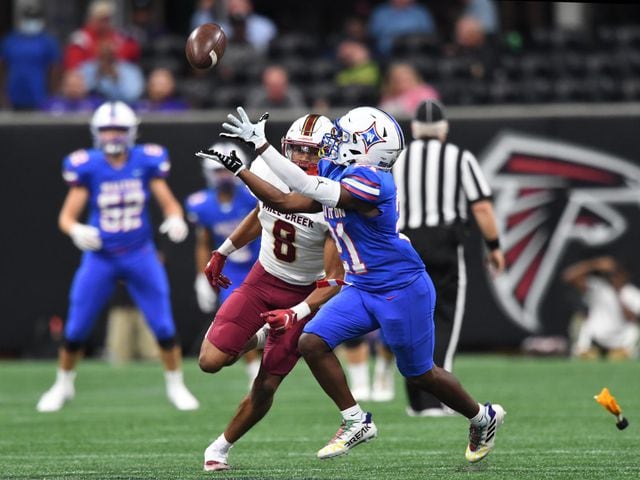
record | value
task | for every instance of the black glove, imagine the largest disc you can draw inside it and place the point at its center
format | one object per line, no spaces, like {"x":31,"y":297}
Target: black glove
{"x":230,"y":162}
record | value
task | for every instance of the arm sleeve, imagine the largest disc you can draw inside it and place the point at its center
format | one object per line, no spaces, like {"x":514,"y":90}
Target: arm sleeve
{"x":74,"y":168}
{"x":474,"y":183}
{"x":320,"y":189}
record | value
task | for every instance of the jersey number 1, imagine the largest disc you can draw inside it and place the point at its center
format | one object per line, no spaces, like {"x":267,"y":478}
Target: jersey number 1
{"x":284,"y":234}
{"x":342,"y":238}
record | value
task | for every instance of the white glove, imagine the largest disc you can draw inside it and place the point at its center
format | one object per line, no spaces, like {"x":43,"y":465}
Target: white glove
{"x":245,"y":130}
{"x":85,"y":237}
{"x":206,"y":296}
{"x":175,"y":227}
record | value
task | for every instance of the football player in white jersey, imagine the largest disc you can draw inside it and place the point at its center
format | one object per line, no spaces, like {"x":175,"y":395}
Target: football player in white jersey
{"x":296,"y":251}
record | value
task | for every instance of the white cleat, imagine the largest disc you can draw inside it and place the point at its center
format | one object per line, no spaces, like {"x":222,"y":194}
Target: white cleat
{"x":54,"y":398}
{"x":215,"y":460}
{"x":483,"y":439}
{"x":350,"y":434}
{"x":181,"y":398}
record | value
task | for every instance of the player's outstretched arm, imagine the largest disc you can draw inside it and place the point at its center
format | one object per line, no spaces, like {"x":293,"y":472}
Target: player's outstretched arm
{"x":270,"y":195}
{"x":284,"y":319}
{"x":174,"y":225}
{"x":323,"y":190}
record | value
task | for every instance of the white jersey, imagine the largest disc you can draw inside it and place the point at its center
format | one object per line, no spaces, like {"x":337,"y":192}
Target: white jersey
{"x":292,"y":247}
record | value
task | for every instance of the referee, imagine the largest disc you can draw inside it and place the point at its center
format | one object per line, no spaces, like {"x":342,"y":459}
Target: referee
{"x":437,"y":181}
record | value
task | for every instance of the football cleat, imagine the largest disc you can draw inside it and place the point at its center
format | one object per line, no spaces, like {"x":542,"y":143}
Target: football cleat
{"x":181,"y":398}
{"x":53,"y":399}
{"x":215,"y":460}
{"x":482,"y":439}
{"x":350,"y":434}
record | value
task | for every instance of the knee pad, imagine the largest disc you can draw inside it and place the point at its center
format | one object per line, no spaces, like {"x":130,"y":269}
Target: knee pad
{"x":168,"y":343}
{"x":71,"y":346}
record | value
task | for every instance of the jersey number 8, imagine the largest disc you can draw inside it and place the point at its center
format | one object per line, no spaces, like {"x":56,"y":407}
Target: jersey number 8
{"x":283,"y":248}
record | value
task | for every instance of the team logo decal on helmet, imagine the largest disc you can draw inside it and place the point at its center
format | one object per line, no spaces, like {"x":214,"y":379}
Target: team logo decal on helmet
{"x":370,"y":137}
{"x":550,"y":195}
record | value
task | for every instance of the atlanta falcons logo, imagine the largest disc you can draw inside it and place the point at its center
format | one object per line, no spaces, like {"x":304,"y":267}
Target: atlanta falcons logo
{"x":548,"y":194}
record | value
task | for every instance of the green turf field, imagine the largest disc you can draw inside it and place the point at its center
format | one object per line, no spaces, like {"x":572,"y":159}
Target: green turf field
{"x":121,"y":426}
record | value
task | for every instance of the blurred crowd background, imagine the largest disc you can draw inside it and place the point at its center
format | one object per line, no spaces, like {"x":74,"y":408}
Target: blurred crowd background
{"x":63,"y":56}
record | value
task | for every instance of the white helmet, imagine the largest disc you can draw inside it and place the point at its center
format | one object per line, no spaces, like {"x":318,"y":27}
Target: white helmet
{"x":210,"y":166}
{"x":306,"y":132}
{"x":365,"y":135}
{"x":117,"y":116}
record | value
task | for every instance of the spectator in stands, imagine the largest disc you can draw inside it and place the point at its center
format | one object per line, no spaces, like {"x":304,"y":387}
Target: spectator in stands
{"x":74,"y":96}
{"x":112,"y":78}
{"x":275,"y":92}
{"x":85,"y":43}
{"x":404,"y":90}
{"x":358,"y":68}
{"x":478,"y":20}
{"x":396,"y":18}
{"x":144,"y":27}
{"x":205,"y":13}
{"x":259,"y":30}
{"x":161,"y":93}
{"x":31,"y":59}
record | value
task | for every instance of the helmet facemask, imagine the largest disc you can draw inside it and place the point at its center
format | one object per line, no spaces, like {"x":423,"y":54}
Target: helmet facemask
{"x":303,"y":154}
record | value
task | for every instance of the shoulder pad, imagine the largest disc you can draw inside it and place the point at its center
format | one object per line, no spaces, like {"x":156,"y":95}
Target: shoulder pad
{"x":78,"y":157}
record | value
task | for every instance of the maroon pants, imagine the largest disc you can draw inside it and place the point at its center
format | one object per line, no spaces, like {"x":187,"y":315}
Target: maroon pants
{"x":239,"y":319}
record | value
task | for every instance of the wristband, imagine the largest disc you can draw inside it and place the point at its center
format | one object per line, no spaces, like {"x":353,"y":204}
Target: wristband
{"x":492,"y":244}
{"x":227,"y":248}
{"x":301,"y":310}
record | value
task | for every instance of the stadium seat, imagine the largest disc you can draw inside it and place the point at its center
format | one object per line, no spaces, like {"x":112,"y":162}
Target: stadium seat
{"x":293,"y":45}
{"x":415,"y":44}
{"x":196,"y":91}
{"x":228,"y":96}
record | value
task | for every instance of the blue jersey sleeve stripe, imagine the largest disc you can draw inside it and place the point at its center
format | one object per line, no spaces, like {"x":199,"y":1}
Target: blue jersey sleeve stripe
{"x":364,"y":180}
{"x":359,"y":193}
{"x":361,"y":186}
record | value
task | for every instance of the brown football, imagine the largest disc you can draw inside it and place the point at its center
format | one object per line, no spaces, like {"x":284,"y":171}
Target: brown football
{"x":205,"y":46}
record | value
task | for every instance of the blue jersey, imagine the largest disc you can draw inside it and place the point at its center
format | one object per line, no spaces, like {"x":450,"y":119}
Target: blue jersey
{"x":221,"y":219}
{"x":374,"y":256}
{"x":119,"y":197}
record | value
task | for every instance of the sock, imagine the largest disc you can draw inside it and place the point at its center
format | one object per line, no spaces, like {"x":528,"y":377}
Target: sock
{"x":252,"y":370}
{"x":353,"y":413}
{"x":261,"y":337}
{"x":173,"y":377}
{"x":65,"y":377}
{"x":359,"y":375}
{"x":381,"y":373}
{"x":481,"y":417}
{"x":221,"y":444}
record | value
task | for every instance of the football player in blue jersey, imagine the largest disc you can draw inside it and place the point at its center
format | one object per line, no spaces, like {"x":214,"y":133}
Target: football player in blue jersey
{"x":387,"y":285}
{"x":217,"y":211}
{"x":116,"y":179}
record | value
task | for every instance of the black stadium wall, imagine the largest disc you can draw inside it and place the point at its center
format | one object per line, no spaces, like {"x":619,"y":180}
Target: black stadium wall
{"x":593,"y":209}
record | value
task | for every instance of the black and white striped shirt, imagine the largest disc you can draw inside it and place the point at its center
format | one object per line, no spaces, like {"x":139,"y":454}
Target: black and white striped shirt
{"x":436,"y":182}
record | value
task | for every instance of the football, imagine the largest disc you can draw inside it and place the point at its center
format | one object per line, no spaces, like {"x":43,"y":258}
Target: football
{"x":205,"y":46}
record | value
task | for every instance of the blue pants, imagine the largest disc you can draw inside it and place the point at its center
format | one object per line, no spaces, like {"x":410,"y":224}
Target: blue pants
{"x":404,"y":316}
{"x":95,"y":280}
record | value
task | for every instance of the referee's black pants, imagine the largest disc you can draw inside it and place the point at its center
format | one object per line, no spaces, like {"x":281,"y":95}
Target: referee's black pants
{"x":442,"y":253}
